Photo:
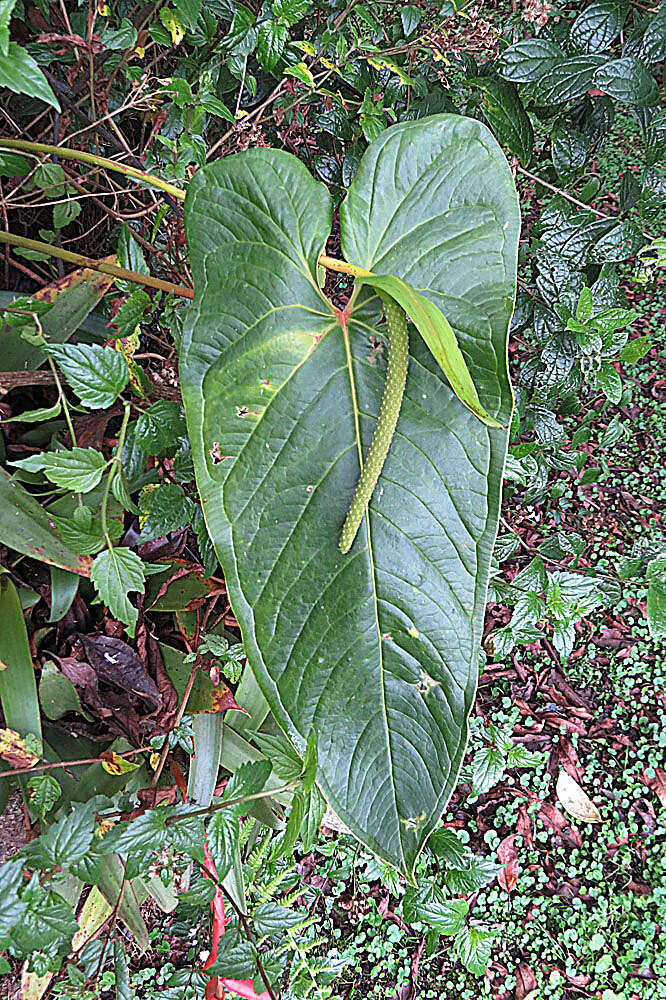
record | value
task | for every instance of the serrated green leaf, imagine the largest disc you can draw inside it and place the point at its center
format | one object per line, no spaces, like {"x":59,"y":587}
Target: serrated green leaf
{"x":280,"y":404}
{"x":83,"y":530}
{"x":487,"y":768}
{"x":270,"y":43}
{"x":146,"y":832}
{"x":504,"y":112}
{"x":474,"y":947}
{"x":96,"y":374}
{"x":479,"y":872}
{"x":116,"y":573}
{"x":447,"y":916}
{"x":290,"y":11}
{"x":598,"y":25}
{"x":222,"y":835}
{"x":248,"y":779}
{"x":268,"y":918}
{"x":11,"y":907}
{"x":130,"y":313}
{"x":627,"y":80}
{"x":48,"y":922}
{"x":65,"y":842}
{"x":215,"y":107}
{"x":234,"y":961}
{"x":610,"y":382}
{"x":530,"y":59}
{"x":44,"y":791}
{"x":160,"y":427}
{"x":656,"y":597}
{"x":568,"y":79}
{"x":165,"y":509}
{"x":285,"y":761}
{"x":79,"y":470}
{"x":569,"y":152}
{"x":447,"y":846}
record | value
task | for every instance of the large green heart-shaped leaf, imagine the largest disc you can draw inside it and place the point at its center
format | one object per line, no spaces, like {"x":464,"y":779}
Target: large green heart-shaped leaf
{"x":377,"y":649}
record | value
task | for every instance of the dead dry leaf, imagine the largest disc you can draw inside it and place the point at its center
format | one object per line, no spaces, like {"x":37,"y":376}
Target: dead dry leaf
{"x":576,"y":802}
{"x":506,"y":852}
{"x":657,"y":784}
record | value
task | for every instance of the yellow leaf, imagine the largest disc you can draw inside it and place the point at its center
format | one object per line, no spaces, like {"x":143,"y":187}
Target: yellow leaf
{"x":19,"y":751}
{"x":306,"y":47}
{"x":172,"y":24}
{"x":576,"y":802}
{"x":114,"y":764}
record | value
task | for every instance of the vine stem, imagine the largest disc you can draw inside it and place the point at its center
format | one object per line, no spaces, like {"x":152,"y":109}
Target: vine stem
{"x":69,"y":763}
{"x":114,"y":464}
{"x":183,"y":291}
{"x":27,"y":146}
{"x":209,"y":810}
{"x":565,"y":194}
{"x":95,"y":265}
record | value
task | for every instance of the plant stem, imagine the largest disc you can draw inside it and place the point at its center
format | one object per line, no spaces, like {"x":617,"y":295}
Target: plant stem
{"x":332,"y":263}
{"x":565,"y":194}
{"x":208,"y":810}
{"x":69,"y":763}
{"x":115,"y":464}
{"x":99,"y":161}
{"x":95,"y":265}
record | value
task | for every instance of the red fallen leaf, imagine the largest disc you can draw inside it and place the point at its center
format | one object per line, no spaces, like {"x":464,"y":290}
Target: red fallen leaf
{"x":551,"y":816}
{"x":657,"y":784}
{"x":506,"y":853}
{"x":179,"y":778}
{"x":569,"y":759}
{"x":581,"y":979}
{"x":524,"y":827}
{"x":526,"y":981}
{"x":223,"y":700}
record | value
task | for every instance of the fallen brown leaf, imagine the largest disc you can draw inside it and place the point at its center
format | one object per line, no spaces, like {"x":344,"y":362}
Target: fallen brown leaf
{"x":576,"y":801}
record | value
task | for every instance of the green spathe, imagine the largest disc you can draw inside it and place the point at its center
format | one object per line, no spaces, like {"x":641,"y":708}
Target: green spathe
{"x":377,"y":649}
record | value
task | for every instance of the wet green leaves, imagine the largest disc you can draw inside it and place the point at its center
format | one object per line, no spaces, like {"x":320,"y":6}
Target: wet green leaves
{"x":117,"y":572}
{"x":281,"y":401}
